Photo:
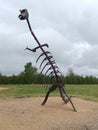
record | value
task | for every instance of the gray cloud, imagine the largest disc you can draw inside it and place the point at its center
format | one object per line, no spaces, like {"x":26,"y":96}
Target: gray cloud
{"x":69,"y":27}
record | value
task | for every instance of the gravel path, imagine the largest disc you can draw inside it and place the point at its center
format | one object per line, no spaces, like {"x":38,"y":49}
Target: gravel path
{"x":28,"y":114}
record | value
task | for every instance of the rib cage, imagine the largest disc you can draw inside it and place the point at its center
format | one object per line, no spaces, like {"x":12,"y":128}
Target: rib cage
{"x":53,"y":68}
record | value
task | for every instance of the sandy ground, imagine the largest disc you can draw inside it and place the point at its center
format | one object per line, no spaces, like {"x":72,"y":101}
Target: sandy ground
{"x":2,"y":88}
{"x":28,"y":114}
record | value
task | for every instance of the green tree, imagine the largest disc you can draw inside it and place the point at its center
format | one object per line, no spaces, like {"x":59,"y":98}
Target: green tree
{"x":29,"y":73}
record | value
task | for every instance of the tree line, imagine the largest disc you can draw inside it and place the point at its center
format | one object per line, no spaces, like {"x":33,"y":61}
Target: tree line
{"x":30,"y":75}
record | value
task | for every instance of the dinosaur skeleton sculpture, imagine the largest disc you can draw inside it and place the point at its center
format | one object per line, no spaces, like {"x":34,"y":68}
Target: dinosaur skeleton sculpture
{"x":53,"y":69}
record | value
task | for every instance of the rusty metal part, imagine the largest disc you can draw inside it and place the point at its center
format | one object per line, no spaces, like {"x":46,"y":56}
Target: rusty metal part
{"x":39,"y":47}
{"x":49,"y":57}
{"x":42,"y":55}
{"x":50,"y":61}
{"x":47,"y":65}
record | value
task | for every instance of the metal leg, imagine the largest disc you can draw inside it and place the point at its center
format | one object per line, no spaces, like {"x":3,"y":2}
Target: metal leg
{"x":52,"y":88}
{"x":62,"y":91}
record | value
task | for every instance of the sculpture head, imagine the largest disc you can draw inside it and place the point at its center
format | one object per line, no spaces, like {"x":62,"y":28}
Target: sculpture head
{"x":23,"y":14}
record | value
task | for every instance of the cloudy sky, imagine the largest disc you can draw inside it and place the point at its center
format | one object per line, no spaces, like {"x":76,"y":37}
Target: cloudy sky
{"x":70,"y":27}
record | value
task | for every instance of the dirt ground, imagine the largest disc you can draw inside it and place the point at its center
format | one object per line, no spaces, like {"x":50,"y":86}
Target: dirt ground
{"x":28,"y":114}
{"x":2,"y":88}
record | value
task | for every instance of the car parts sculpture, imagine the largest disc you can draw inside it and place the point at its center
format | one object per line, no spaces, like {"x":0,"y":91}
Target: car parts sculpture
{"x":53,"y":68}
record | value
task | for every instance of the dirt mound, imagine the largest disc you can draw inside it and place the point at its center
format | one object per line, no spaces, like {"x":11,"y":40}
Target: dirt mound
{"x":28,"y":114}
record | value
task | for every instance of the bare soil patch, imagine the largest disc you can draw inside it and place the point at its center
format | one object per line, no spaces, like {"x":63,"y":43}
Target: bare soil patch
{"x":28,"y":114}
{"x":2,"y":88}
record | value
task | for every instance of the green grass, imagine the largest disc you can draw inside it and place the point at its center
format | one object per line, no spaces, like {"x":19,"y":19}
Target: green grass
{"x":89,"y":92}
{"x":22,"y":91}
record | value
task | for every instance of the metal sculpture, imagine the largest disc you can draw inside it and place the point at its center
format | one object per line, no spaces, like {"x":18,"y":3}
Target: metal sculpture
{"x":53,"y":68}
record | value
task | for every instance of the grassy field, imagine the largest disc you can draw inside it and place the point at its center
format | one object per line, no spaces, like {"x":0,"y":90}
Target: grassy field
{"x":89,"y":92}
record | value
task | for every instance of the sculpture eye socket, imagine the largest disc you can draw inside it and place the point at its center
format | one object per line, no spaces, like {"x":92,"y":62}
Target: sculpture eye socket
{"x":21,"y":17}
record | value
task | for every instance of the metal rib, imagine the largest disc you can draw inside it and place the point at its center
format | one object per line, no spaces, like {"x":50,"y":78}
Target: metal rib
{"x":45,"y":59}
{"x":42,"y":55}
{"x":39,"y":57}
{"x":47,"y":64}
{"x":51,"y":73}
{"x":55,"y":67}
{"x":48,"y":70}
{"x":57,"y":71}
{"x":42,"y":62}
{"x":48,"y":52}
{"x":50,"y":57}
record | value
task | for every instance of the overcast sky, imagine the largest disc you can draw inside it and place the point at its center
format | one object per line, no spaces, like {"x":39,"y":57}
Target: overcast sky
{"x":70,"y":27}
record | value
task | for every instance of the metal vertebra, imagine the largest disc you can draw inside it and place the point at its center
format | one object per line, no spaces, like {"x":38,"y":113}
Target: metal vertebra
{"x":53,"y":68}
